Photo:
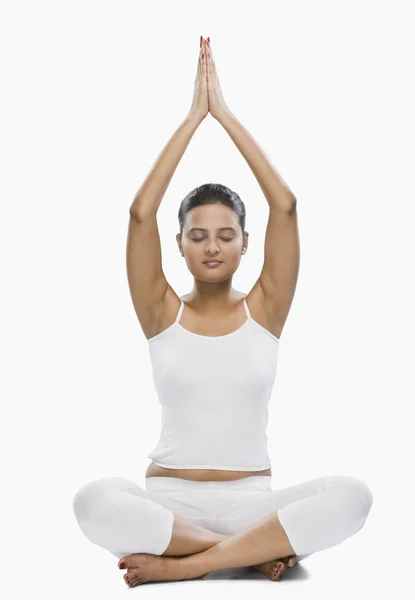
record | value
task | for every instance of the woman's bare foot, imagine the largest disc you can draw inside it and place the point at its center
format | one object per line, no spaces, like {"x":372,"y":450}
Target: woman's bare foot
{"x":142,"y":568}
{"x":275,"y":569}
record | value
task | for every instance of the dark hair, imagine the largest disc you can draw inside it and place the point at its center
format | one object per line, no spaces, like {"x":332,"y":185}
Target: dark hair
{"x":212,"y":193}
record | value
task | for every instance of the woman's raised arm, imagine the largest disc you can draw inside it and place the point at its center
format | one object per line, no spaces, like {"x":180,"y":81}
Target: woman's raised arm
{"x":149,"y":196}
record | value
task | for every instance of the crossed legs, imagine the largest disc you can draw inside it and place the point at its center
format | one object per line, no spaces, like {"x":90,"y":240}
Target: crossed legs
{"x":262,"y":542}
{"x":146,"y":535}
{"x":189,"y":538}
{"x":322,"y":513}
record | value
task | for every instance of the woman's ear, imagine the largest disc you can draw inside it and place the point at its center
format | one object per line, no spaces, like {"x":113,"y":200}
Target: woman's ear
{"x":245,"y":242}
{"x":178,"y":240}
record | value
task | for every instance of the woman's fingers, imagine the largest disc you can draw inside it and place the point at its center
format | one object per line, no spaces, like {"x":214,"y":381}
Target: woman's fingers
{"x":201,"y":72}
{"x":198,"y":62}
{"x":211,"y":63}
{"x":204,"y":61}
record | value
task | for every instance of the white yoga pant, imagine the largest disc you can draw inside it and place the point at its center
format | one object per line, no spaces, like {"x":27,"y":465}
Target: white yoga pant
{"x":124,"y":518}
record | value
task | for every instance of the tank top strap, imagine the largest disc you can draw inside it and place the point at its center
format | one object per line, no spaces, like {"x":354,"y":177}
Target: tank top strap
{"x":248,"y":312}
{"x":179,"y":313}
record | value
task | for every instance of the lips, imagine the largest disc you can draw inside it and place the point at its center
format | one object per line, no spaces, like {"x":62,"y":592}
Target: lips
{"x":212,"y":262}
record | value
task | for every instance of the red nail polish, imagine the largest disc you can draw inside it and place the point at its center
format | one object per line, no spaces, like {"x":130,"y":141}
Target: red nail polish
{"x":208,"y":40}
{"x":200,"y":41}
{"x":122,"y":565}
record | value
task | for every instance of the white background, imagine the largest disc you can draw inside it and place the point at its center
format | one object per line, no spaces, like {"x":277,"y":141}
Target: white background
{"x":91,"y":93}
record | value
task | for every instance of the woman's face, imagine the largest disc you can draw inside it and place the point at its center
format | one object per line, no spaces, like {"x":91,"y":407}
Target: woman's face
{"x":212,"y":231}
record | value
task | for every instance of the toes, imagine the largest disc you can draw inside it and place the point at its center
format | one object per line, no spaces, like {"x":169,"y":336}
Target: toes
{"x":278,"y":570}
{"x":131,"y":576}
{"x":281,"y":568}
{"x":130,"y":580}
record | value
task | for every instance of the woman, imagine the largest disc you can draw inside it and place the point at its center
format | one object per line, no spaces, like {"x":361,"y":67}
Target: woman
{"x":208,"y":503}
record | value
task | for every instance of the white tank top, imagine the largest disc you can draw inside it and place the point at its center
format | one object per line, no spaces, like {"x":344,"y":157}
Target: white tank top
{"x":214,"y":392}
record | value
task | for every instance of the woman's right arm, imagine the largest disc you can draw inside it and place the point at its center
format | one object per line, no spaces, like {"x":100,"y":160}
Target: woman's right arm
{"x":149,"y":196}
{"x":147,"y":282}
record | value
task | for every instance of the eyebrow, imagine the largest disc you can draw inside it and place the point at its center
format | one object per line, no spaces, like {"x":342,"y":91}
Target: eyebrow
{"x":220,"y":229}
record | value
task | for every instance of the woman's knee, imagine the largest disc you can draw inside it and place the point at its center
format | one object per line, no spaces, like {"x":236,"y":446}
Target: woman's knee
{"x":92,"y":499}
{"x":355,"y":492}
{"x":118,"y":515}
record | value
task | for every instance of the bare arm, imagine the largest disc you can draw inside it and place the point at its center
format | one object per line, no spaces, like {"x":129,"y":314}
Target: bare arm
{"x":147,"y":282}
{"x":278,"y":278}
{"x":279,"y":274}
{"x":276,"y":192}
{"x":149,"y":196}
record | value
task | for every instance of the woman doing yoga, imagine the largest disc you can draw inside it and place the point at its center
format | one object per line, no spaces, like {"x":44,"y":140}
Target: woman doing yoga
{"x":208,"y":503}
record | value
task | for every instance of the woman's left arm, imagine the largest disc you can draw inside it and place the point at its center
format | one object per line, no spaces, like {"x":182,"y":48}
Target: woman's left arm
{"x":279,"y":275}
{"x":276,"y":192}
{"x":278,"y":278}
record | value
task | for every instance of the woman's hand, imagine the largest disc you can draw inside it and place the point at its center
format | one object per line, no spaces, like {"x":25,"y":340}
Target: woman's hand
{"x":217,"y":104}
{"x":200,"y":107}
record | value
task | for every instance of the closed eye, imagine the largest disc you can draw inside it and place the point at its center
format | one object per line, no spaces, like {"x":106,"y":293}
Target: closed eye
{"x":224,"y":239}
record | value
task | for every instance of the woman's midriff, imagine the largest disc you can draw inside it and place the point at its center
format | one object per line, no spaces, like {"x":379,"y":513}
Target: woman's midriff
{"x":154,"y":470}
